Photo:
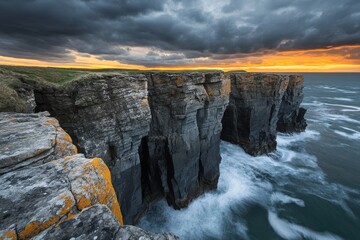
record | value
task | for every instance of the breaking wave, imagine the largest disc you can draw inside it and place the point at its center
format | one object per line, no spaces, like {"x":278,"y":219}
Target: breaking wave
{"x":246,"y":181}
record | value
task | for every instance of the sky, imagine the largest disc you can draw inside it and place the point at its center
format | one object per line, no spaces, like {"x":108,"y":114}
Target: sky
{"x":252,"y":35}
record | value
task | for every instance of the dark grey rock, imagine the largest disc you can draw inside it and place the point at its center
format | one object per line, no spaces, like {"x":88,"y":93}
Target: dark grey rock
{"x":250,"y":119}
{"x":291,"y":115}
{"x":183,"y":145}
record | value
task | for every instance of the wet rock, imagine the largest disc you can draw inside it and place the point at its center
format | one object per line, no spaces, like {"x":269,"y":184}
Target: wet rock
{"x":251,"y":117}
{"x":27,"y":139}
{"x":183,"y":154}
{"x":291,"y":115}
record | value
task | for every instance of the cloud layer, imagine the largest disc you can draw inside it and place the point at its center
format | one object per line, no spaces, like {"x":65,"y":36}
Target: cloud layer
{"x":173,"y":32}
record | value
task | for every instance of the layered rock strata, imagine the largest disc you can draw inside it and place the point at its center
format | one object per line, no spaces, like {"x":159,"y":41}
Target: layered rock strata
{"x":42,"y":193}
{"x":182,"y":154}
{"x":67,"y":198}
{"x":251,"y":117}
{"x":162,"y":141}
{"x":18,"y":132}
{"x":291,"y":115}
{"x":107,"y":115}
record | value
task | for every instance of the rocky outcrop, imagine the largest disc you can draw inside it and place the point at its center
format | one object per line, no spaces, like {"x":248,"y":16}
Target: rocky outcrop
{"x":291,"y":115}
{"x":107,"y":115}
{"x":86,"y":226}
{"x":42,"y":193}
{"x":17,"y":134}
{"x":67,"y":198}
{"x":250,"y":119}
{"x":182,"y":155}
{"x":162,"y":139}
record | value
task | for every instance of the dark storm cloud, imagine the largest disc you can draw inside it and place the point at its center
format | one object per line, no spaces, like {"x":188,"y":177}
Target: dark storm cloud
{"x":172,"y":32}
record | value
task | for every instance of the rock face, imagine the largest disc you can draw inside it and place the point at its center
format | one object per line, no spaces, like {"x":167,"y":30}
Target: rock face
{"x":17,"y":132}
{"x":181,"y":155}
{"x":107,"y":115}
{"x":158,"y":133}
{"x":291,"y":115}
{"x":67,"y":198}
{"x":86,"y":226}
{"x":34,"y":198}
{"x":250,"y":119}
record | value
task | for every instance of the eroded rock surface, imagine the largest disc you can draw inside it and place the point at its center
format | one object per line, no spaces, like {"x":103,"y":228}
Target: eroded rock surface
{"x":34,"y":198}
{"x":86,"y":226}
{"x":107,"y":115}
{"x":291,"y":115}
{"x":251,"y":117}
{"x":42,"y":193}
{"x":27,"y":139}
{"x":183,"y":156}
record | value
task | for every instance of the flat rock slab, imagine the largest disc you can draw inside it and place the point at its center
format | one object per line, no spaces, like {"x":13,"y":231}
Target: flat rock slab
{"x":27,"y":139}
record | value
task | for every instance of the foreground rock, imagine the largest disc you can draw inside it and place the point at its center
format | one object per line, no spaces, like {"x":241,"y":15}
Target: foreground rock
{"x":17,"y":135}
{"x":86,"y":226}
{"x":57,"y":199}
{"x":291,"y":115}
{"x":183,"y":154}
{"x":251,"y":117}
{"x":107,"y":115}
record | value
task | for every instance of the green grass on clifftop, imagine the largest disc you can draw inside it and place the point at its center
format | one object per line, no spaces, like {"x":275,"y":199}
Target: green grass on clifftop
{"x":54,"y":75}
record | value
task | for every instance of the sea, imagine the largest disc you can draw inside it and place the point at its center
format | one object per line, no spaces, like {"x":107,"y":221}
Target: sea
{"x":309,"y":188}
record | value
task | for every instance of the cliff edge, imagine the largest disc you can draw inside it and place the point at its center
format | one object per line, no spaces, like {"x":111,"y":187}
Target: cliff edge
{"x":46,"y":185}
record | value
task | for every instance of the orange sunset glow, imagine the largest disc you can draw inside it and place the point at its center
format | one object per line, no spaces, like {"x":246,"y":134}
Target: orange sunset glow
{"x":332,"y":59}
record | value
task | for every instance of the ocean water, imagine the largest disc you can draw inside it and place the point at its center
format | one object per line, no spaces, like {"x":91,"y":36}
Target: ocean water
{"x":308,"y":189}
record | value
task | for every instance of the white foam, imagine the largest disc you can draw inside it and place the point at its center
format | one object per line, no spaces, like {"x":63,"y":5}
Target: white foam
{"x":352,"y":136}
{"x":288,"y":230}
{"x":278,"y":197}
{"x":341,"y":99}
{"x":335,"y":89}
{"x":284,"y":140}
{"x":247,"y":180}
{"x":346,"y":108}
{"x":337,"y":117}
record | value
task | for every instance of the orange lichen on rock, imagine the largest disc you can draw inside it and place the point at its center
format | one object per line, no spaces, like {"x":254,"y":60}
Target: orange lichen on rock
{"x":68,"y":205}
{"x":64,"y":143}
{"x":91,"y":184}
{"x":108,"y":195}
{"x":8,"y":235}
{"x":36,"y":227}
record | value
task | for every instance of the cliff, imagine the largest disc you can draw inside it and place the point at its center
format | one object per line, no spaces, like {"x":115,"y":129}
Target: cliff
{"x":172,"y":151}
{"x":159,"y":133}
{"x":250,"y":119}
{"x":55,"y":193}
{"x":107,"y":115}
{"x":183,"y":147}
{"x":291,"y":115}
